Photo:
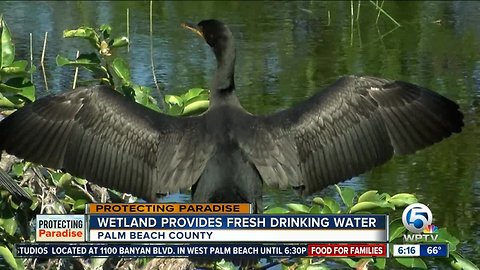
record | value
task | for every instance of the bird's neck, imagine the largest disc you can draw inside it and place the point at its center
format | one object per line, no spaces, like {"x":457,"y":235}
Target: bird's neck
{"x":223,"y":83}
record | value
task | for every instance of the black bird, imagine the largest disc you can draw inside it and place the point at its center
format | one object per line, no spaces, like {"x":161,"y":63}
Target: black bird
{"x":227,"y":154}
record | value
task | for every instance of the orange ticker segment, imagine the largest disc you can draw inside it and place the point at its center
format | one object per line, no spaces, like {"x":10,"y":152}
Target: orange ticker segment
{"x":168,"y":208}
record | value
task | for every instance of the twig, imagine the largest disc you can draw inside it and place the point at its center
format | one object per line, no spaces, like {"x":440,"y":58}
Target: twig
{"x":84,"y":191}
{"x":42,"y":61}
{"x":380,"y":38}
{"x":359,"y":36}
{"x":128,"y":29}
{"x":384,"y":35}
{"x":378,"y":14}
{"x":49,"y":196}
{"x":162,"y":102}
{"x":358,"y":9}
{"x":76,"y":72}
{"x":328,"y":14}
{"x":351,"y":23}
{"x":31,"y":56}
{"x":385,"y":13}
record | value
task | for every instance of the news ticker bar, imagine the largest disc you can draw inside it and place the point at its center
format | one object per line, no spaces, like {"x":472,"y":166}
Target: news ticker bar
{"x":230,"y":250}
{"x":421,"y":250}
{"x":202,"y":250}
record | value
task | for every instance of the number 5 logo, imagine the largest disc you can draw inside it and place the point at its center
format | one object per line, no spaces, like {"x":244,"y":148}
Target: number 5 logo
{"x":416,"y":217}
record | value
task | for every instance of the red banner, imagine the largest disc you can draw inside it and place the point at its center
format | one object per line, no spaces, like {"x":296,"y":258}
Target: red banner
{"x":347,"y":250}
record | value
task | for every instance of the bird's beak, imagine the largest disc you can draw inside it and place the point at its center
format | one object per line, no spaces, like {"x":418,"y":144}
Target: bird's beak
{"x":194,"y":28}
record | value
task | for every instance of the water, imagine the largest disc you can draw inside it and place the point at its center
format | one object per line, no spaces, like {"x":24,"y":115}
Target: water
{"x":287,"y":51}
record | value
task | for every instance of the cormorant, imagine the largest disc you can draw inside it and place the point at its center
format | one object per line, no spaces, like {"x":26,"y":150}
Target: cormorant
{"x":226,"y":154}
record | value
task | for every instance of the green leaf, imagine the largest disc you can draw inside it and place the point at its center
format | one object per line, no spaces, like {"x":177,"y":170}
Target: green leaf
{"x":195,"y":92}
{"x":7,"y":48}
{"x":174,"y":110}
{"x":20,"y":87}
{"x":412,"y":262}
{"x":9,"y":225}
{"x":175,"y":100}
{"x":79,"y":205}
{"x":119,"y":42}
{"x":80,"y":181}
{"x":9,"y":89}
{"x":142,"y":96}
{"x":11,"y":101}
{"x":83,"y":60}
{"x":196,"y":107}
{"x":369,"y":196}
{"x":121,"y":69}
{"x":106,"y":30}
{"x":331,"y":206}
{"x":315,"y":209}
{"x":224,"y":265}
{"x":402,"y":199}
{"x":298,"y":208}
{"x":363,"y":206}
{"x":347,"y":194}
{"x":380,"y":263}
{"x":17,"y":169}
{"x":87,"y":33}
{"x":62,"y":61}
{"x":16,"y":69}
{"x":195,"y":99}
{"x":397,"y":229}
{"x":55,"y":176}
{"x":28,"y":91}
{"x":74,"y":194}
{"x":65,"y":180}
{"x":445,"y":236}
{"x":8,"y":256}
{"x":318,"y":200}
{"x":459,"y":262}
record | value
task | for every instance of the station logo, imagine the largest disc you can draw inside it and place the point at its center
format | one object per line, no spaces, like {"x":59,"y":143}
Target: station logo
{"x":417,"y":219}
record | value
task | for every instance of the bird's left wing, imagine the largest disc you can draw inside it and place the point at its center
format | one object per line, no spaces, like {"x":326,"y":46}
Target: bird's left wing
{"x":353,"y":125}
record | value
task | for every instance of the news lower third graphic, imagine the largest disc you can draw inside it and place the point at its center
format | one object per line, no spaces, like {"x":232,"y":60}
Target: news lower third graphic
{"x":226,"y":231}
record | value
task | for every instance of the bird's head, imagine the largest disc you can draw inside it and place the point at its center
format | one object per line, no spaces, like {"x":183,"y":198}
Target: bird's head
{"x":215,"y":33}
{"x":220,"y":39}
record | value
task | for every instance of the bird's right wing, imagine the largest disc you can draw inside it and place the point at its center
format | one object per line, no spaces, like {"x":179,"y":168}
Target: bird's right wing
{"x":98,"y":134}
{"x":353,"y":125}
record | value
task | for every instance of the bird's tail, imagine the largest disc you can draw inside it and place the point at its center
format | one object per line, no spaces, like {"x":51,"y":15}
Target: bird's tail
{"x":11,"y":186}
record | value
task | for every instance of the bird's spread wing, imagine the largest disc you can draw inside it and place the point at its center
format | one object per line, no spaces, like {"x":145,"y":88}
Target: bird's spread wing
{"x":98,"y":134}
{"x":350,"y":127}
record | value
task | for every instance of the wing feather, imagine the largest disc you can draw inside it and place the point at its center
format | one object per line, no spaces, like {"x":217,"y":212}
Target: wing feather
{"x":353,"y":125}
{"x":98,"y":134}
